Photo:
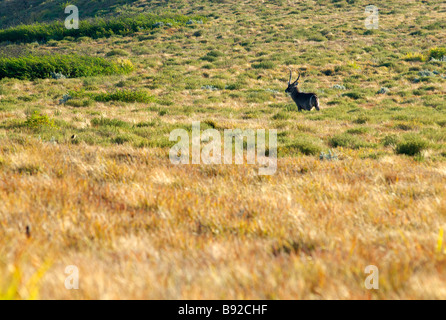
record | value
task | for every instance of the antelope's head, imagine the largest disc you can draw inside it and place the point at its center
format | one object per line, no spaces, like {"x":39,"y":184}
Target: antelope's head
{"x":291,"y":85}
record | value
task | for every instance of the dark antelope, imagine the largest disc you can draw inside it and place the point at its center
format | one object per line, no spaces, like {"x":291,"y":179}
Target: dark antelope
{"x":303,"y":100}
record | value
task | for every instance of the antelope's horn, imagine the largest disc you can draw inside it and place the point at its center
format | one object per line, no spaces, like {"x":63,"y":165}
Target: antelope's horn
{"x":289,"y":81}
{"x":297,"y":77}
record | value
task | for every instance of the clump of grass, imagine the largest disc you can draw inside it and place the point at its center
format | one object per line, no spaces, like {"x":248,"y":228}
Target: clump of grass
{"x":437,"y":53}
{"x":121,"y":139}
{"x":212,"y":56}
{"x":117,"y":52}
{"x":264,"y":65}
{"x":354,"y":95}
{"x":215,"y":53}
{"x":29,"y":169}
{"x":347,"y":140}
{"x":304,"y":145}
{"x":78,"y":103}
{"x":109,"y":122}
{"x":390,"y":140}
{"x":411,"y":146}
{"x":358,"y":130}
{"x":361,"y":119}
{"x":36,"y":120}
{"x":415,"y":57}
{"x":235,"y":86}
{"x":124,"y":95}
{"x":72,"y":66}
{"x":281,"y":115}
{"x":405,"y":126}
{"x":442,"y":123}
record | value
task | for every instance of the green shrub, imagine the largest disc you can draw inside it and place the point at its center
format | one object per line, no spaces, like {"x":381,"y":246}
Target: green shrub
{"x":264,"y":65}
{"x":109,"y":122}
{"x":405,"y":126}
{"x":198,"y":33}
{"x":71,"y":66}
{"x":215,"y":53}
{"x":123,"y":95}
{"x":411,"y":146}
{"x":437,"y":53}
{"x":208,"y":58}
{"x":78,"y":103}
{"x":354,"y":95}
{"x":117,"y":52}
{"x":305,"y":146}
{"x":414,"y":57}
{"x":347,"y":141}
{"x":235,"y":86}
{"x":358,"y":130}
{"x":361,"y":119}
{"x":94,"y":28}
{"x":281,"y":115}
{"x":36,"y":120}
{"x":390,"y":140}
{"x":121,"y":139}
{"x":317,"y":37}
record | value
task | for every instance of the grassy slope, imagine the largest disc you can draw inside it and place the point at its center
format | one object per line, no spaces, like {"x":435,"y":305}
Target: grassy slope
{"x":14,"y":12}
{"x":111,"y":203}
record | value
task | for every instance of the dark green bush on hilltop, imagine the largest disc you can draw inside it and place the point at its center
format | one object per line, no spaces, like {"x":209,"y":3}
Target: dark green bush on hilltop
{"x":72,"y":66}
{"x":96,"y":28}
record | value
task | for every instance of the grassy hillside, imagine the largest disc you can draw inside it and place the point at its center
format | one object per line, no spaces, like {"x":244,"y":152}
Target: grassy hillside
{"x":14,"y":12}
{"x":85,"y":177}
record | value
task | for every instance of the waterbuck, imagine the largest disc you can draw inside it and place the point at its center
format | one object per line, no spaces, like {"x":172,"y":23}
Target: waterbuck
{"x":303,"y":100}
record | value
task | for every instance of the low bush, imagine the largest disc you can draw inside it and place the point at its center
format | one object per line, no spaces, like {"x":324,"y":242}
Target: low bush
{"x":264,"y":65}
{"x":411,"y":146}
{"x":414,"y":57}
{"x":117,"y":52}
{"x":36,"y":120}
{"x":390,"y":140}
{"x":71,"y":66}
{"x":437,"y":53}
{"x":124,"y":95}
{"x":94,"y":28}
{"x":304,"y":146}
{"x":109,"y":122}
{"x":354,"y":95}
{"x":347,"y":141}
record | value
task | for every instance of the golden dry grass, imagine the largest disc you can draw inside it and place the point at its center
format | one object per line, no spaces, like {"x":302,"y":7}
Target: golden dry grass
{"x":138,"y":227}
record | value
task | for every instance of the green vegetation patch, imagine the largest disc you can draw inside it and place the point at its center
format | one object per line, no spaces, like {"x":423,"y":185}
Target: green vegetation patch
{"x":36,"y":120}
{"x":347,"y":140}
{"x":95,"y":28}
{"x":53,"y":66}
{"x":411,"y":146}
{"x":125,"y":96}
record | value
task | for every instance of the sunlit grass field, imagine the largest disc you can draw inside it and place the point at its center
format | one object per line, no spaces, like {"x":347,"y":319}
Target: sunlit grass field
{"x":86,"y":180}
